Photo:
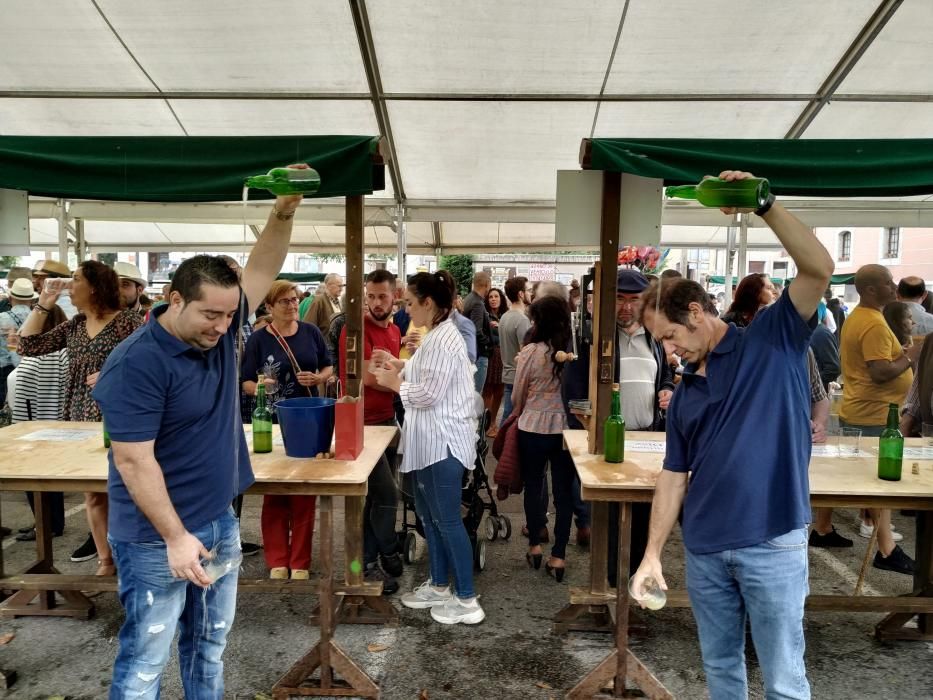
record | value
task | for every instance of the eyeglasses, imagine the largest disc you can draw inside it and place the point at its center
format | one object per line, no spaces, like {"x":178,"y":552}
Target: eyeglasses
{"x":288,"y":302}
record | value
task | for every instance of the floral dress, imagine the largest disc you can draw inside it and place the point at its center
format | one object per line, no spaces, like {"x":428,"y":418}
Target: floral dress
{"x":85,"y":356}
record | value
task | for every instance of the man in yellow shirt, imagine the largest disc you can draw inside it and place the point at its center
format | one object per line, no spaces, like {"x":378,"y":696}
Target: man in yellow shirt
{"x":876,"y":371}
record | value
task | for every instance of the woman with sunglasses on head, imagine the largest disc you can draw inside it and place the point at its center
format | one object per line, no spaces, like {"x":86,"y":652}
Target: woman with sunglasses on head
{"x":89,"y":337}
{"x":292,"y":359}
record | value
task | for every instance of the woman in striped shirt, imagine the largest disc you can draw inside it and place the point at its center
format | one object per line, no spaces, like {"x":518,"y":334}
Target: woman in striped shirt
{"x":438,"y":443}
{"x":536,"y":399}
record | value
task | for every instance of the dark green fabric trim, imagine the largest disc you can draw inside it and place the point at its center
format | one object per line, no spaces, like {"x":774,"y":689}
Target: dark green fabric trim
{"x":181,"y":168}
{"x":806,"y":167}
{"x":848,"y":278}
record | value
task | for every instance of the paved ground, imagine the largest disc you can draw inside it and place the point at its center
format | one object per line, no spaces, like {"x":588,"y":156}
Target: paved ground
{"x":512,"y":655}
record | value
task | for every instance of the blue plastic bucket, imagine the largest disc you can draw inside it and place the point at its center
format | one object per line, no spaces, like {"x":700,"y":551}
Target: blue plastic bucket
{"x":307,"y":425}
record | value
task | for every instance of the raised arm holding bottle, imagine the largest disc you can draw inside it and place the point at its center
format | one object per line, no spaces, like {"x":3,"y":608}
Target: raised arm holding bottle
{"x":746,"y":546}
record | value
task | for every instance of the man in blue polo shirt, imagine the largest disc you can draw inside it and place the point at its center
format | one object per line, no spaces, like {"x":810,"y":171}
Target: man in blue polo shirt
{"x":170,"y":394}
{"x":738,"y":427}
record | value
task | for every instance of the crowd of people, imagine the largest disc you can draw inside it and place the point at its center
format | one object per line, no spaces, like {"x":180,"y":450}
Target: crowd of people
{"x":168,"y":383}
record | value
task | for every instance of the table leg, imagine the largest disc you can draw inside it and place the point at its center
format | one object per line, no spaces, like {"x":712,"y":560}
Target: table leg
{"x":339,"y":674}
{"x":357,"y":609}
{"x":21,"y":603}
{"x":588,"y":611}
{"x":892,"y":626}
{"x":621,"y":664}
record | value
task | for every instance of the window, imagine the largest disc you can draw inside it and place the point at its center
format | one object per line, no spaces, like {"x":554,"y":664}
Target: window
{"x":779,"y":270}
{"x":892,"y":243}
{"x":845,"y":246}
{"x":756,"y":266}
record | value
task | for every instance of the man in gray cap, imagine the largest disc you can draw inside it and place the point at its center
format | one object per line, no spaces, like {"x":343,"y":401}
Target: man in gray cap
{"x":646,"y":385}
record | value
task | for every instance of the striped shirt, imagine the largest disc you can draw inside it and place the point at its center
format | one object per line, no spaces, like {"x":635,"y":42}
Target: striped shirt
{"x":40,"y":387}
{"x":438,"y":395}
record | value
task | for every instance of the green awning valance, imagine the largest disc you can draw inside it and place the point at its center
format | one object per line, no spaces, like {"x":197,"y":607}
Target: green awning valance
{"x":182,"y":168}
{"x":848,"y":278}
{"x":806,"y":167}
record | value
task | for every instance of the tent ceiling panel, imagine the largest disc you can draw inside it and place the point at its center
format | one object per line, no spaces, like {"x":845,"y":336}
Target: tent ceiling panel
{"x":469,"y":233}
{"x":490,"y":46}
{"x":215,"y":45}
{"x":465,"y":150}
{"x":419,"y":234}
{"x":86,"y":117}
{"x":62,"y":45}
{"x":721,"y":46}
{"x":713,"y":237}
{"x":874,"y":120}
{"x":698,"y":120}
{"x":899,"y":59}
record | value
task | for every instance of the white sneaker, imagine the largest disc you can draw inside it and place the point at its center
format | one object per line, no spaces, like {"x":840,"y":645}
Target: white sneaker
{"x":455,"y":610}
{"x":426,"y":596}
{"x":865,"y":531}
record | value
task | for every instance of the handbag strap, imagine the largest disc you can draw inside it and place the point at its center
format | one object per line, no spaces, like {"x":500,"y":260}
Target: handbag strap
{"x":288,"y":353}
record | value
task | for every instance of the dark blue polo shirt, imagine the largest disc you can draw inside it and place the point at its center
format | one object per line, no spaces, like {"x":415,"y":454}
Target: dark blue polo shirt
{"x":156,"y":387}
{"x":743,"y":431}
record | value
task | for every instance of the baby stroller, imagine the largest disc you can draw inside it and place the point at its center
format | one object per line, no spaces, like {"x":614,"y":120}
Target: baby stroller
{"x":476,"y":499}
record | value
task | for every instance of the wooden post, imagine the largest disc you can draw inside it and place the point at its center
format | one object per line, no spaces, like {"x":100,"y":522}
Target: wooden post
{"x":354,"y":291}
{"x":604,"y":310}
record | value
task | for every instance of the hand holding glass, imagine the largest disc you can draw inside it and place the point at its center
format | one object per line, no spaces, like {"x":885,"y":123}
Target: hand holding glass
{"x":380,"y":358}
{"x":647,"y":592}
{"x":217,"y":567}
{"x":58,"y":285}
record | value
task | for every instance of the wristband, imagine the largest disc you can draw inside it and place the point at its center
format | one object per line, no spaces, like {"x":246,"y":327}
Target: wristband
{"x":283,"y":215}
{"x":41,"y":309}
{"x":766,"y":207}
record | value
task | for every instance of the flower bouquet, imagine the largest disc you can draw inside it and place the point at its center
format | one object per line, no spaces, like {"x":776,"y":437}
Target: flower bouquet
{"x":647,"y":259}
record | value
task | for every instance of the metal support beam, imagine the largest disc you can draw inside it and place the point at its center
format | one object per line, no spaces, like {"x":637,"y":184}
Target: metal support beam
{"x":80,"y":247}
{"x":402,"y":242}
{"x":364,"y":36}
{"x":742,"y":268}
{"x":856,"y":50}
{"x":730,"y":252}
{"x":436,"y":235}
{"x":63,"y":231}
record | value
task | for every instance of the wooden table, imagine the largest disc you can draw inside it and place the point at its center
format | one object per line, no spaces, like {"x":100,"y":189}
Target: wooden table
{"x":30,"y":463}
{"x":834,"y":482}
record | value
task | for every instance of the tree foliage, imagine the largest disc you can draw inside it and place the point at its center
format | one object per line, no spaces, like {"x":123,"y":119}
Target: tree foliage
{"x":460,"y":268}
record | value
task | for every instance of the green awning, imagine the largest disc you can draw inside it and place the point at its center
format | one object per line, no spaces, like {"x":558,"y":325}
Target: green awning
{"x":805,"y":167}
{"x":302,"y":277}
{"x":182,"y":168}
{"x":848,"y":278}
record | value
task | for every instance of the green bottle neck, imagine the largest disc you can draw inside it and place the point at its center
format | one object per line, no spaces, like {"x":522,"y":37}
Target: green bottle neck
{"x":615,"y":407}
{"x":260,"y":395}
{"x":681,"y":191}
{"x":893,"y":418}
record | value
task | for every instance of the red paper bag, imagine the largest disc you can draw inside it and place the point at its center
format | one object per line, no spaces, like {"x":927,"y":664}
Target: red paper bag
{"x":348,"y":426}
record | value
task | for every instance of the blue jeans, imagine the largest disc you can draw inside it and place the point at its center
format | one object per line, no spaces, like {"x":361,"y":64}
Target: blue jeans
{"x":506,"y":403}
{"x":479,"y":379}
{"x":437,"y":502}
{"x":766,"y":583}
{"x":155,"y":603}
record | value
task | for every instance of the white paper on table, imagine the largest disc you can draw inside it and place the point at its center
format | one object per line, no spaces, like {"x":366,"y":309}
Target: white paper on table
{"x":918,"y":453}
{"x":53,"y":435}
{"x":825,"y":451}
{"x":645,"y":446}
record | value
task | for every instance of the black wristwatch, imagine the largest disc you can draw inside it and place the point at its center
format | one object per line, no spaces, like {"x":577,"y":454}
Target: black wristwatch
{"x":766,"y":207}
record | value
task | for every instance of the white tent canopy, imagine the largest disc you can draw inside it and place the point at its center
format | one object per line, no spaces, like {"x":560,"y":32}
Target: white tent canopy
{"x":479,"y":103}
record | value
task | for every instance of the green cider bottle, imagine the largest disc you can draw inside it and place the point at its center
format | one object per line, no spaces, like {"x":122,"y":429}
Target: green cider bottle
{"x":286,"y":181}
{"x":713,"y":192}
{"x":614,"y":431}
{"x":262,"y":421}
{"x":106,"y":434}
{"x":891,"y":448}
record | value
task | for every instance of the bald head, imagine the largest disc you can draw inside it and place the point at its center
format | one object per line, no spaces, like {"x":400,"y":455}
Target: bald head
{"x":875,"y":286}
{"x":482,"y":282}
{"x":912,"y":289}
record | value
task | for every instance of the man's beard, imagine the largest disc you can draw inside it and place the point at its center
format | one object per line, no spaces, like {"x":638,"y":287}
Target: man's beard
{"x":625,"y":324}
{"x":378,"y":317}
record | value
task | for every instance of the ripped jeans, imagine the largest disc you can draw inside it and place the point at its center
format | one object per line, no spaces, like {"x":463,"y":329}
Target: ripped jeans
{"x":156,"y":603}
